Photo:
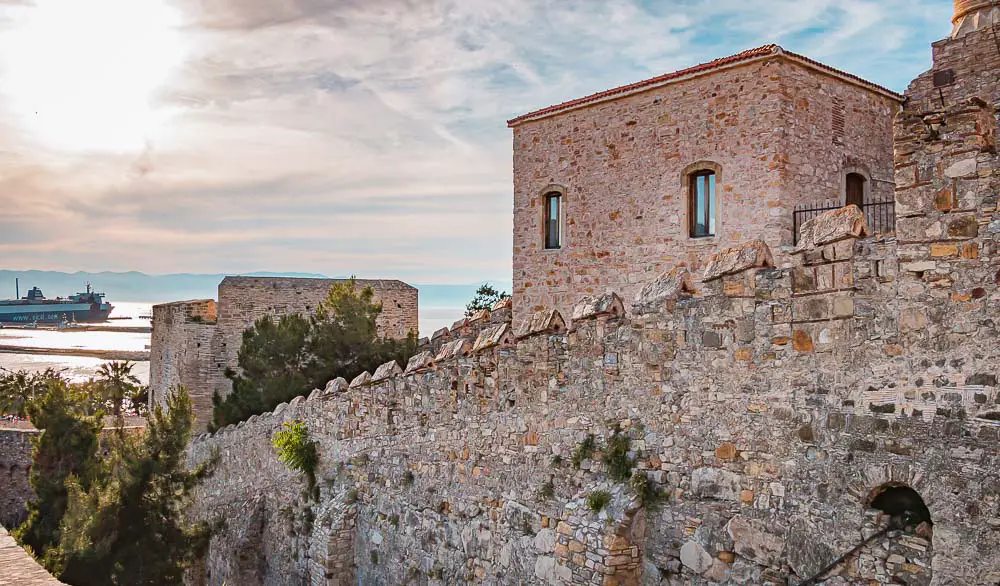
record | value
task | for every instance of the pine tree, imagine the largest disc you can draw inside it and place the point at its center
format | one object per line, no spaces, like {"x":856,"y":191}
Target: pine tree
{"x":283,"y":358}
{"x":486,"y":297}
{"x":67,"y":448}
{"x":128,"y":529}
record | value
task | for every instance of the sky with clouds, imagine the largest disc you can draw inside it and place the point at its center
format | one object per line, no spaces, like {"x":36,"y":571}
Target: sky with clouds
{"x":341,"y":136}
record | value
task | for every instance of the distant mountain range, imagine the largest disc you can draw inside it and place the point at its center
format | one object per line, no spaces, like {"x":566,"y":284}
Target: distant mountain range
{"x":141,"y":287}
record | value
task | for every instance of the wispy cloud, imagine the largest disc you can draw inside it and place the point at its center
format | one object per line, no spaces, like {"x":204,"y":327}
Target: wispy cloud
{"x":364,"y":136}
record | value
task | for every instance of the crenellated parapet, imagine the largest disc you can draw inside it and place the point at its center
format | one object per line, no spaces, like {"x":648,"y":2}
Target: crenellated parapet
{"x":469,"y":327}
{"x":835,"y":296}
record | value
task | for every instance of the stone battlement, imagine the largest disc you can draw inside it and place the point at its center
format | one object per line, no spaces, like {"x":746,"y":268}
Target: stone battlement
{"x":194,"y":342}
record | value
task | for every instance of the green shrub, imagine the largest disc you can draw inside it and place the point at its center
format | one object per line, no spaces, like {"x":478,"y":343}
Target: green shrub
{"x":556,"y":461}
{"x":547,"y":491}
{"x":616,"y":460}
{"x":297,"y":451}
{"x":412,"y":573}
{"x":647,"y":492}
{"x":583,"y":450}
{"x":597,"y":500}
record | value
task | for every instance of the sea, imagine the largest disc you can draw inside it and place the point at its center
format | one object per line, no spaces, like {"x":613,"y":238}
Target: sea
{"x":79,"y":368}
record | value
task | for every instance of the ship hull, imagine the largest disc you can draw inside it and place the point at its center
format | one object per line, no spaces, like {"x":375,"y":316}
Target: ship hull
{"x":53,"y":313}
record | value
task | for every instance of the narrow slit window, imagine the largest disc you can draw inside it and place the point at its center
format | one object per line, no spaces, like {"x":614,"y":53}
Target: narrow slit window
{"x":702,"y":205}
{"x":553,"y":217}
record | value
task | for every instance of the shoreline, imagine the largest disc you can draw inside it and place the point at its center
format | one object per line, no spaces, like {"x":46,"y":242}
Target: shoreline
{"x":131,"y":355}
{"x":84,"y":328}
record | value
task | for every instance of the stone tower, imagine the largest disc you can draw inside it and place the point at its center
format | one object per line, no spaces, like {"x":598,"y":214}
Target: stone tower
{"x":947,"y":170}
{"x":974,"y":15}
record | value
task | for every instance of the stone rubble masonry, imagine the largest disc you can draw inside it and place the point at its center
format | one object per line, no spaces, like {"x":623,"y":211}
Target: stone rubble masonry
{"x":734,"y":390}
{"x":186,"y":350}
{"x":15,"y":465}
{"x":194,"y":342}
{"x":776,"y":132}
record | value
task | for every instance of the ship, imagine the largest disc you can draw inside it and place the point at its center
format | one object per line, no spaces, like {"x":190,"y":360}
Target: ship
{"x":35,"y":308}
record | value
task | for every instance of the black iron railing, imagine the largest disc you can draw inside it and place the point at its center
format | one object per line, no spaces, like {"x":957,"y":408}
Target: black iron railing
{"x":881,"y":215}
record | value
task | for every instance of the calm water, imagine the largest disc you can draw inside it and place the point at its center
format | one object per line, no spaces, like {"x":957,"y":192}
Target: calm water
{"x":80,"y":368}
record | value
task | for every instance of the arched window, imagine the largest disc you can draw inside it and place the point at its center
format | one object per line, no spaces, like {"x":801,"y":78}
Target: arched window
{"x":855,"y":190}
{"x":553,"y":220}
{"x":701,"y":204}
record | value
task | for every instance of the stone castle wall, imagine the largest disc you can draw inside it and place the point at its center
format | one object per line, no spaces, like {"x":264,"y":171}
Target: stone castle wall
{"x":243,"y":300}
{"x":768,"y":126}
{"x":15,"y":465}
{"x":195,"y":342}
{"x":739,"y":405}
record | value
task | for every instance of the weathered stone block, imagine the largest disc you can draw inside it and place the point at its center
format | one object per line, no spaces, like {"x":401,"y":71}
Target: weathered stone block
{"x":963,"y":227}
{"x":711,"y":340}
{"x":803,"y":279}
{"x":754,"y":540}
{"x":832,"y":226}
{"x":715,"y":483}
{"x":939,"y":250}
{"x":802,"y":341}
{"x":747,"y":256}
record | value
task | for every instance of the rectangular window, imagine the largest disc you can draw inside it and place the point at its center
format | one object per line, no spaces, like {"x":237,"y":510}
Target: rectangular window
{"x":702,"y":205}
{"x":553,"y":217}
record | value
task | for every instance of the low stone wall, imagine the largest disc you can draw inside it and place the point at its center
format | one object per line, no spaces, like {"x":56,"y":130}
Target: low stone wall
{"x":16,"y":447}
{"x":15,"y":465}
{"x":767,"y":407}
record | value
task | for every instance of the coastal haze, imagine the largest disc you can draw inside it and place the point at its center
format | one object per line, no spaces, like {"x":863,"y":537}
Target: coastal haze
{"x":440,"y":306}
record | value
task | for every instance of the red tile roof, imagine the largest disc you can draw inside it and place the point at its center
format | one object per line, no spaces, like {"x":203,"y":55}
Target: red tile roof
{"x":739,"y":58}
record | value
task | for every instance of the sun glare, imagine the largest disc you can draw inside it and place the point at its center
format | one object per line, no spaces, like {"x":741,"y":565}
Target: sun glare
{"x":81,"y":74}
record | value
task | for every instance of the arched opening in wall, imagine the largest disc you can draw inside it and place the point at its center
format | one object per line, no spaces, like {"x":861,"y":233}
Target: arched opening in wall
{"x":855,"y":190}
{"x":905,"y":507}
{"x":899,"y":550}
{"x":700,"y":179}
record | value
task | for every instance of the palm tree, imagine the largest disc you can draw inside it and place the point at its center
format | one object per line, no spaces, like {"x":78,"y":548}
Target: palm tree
{"x":118,"y":383}
{"x":17,"y":389}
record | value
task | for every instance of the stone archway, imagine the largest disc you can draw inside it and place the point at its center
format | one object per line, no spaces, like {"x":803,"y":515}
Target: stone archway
{"x":904,"y":553}
{"x":331,"y":545}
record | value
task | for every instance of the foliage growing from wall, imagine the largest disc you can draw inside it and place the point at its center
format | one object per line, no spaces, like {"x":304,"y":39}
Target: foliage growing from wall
{"x":485,"y":298}
{"x":648,"y":494}
{"x":547,"y":490}
{"x":136,"y":507}
{"x":583,"y":450}
{"x":283,"y":358}
{"x":597,"y":500}
{"x":616,"y":459}
{"x":297,"y":451}
{"x":67,"y":448}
